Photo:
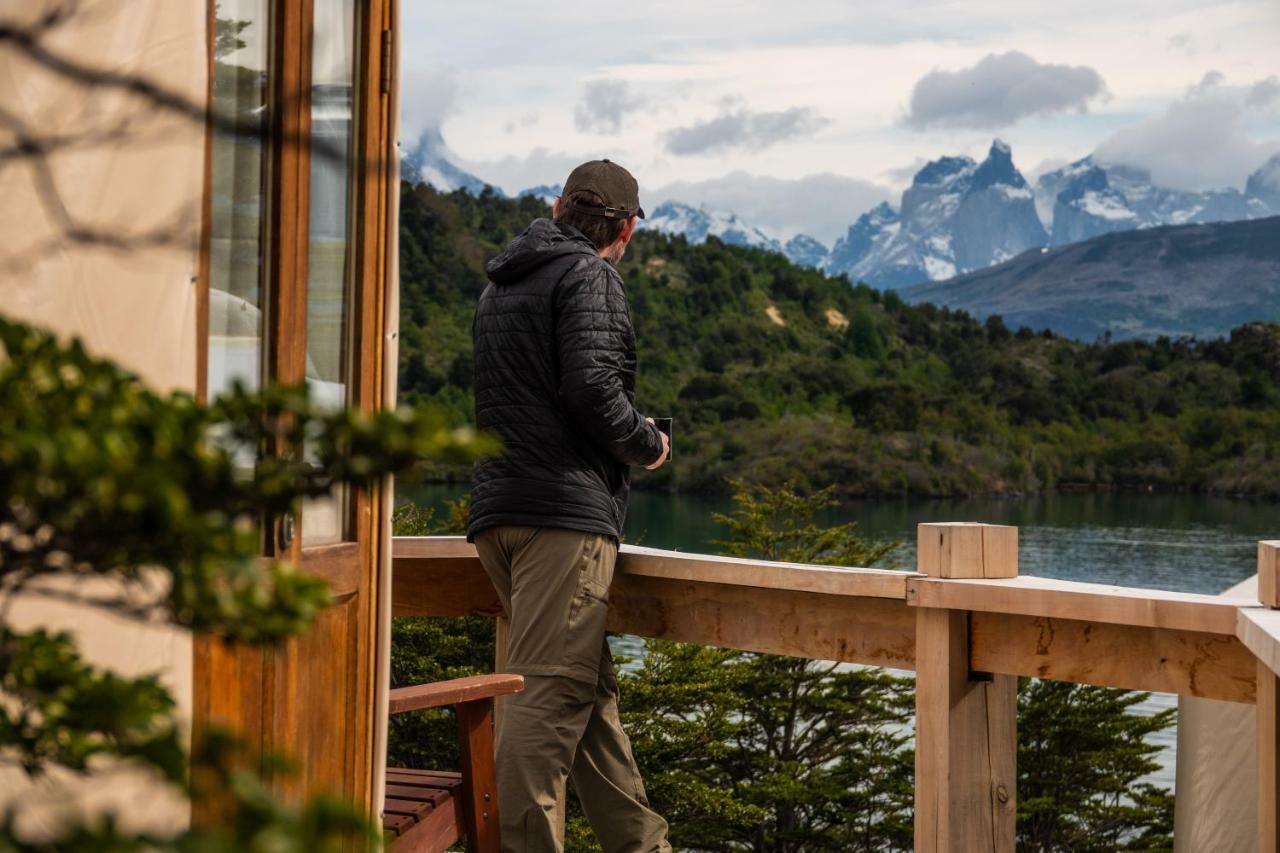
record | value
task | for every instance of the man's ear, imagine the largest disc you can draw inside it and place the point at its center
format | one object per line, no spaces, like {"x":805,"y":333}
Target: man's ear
{"x":628,"y":229}
{"x":555,"y":208}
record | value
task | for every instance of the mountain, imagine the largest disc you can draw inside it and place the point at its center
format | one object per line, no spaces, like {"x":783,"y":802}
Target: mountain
{"x":804,"y":251}
{"x":1086,"y":199}
{"x":1199,"y":280}
{"x":958,"y":215}
{"x":696,"y":224}
{"x":777,"y":374}
{"x":547,"y":193}
{"x":430,"y":161}
{"x":1263,"y":186}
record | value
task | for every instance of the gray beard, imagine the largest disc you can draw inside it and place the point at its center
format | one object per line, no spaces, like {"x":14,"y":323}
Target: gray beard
{"x":614,"y":253}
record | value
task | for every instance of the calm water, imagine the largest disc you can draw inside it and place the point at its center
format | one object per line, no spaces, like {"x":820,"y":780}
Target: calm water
{"x":1187,"y":543}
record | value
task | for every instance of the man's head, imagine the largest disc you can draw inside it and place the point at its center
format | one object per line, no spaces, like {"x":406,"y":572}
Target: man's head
{"x":602,"y":200}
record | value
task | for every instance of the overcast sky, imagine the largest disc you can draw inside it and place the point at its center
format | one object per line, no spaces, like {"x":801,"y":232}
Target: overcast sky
{"x":760,"y":105}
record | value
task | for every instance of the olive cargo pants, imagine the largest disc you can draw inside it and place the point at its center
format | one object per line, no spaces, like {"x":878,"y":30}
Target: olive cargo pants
{"x":554,"y":585}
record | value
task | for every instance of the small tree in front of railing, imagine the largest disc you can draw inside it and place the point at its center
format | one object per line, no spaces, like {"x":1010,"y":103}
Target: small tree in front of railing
{"x":149,"y":507}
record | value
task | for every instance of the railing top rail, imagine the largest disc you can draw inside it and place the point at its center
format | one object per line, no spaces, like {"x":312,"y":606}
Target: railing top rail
{"x":704,"y":568}
{"x":763,"y":574}
{"x":1027,"y":595}
{"x":1259,"y":629}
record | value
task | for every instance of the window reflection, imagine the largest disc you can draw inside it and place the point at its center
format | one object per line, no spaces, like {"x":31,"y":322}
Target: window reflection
{"x":238,"y":196}
{"x":329,"y":256}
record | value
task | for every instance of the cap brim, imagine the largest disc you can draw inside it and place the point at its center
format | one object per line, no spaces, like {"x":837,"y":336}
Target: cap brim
{"x":640,"y":212}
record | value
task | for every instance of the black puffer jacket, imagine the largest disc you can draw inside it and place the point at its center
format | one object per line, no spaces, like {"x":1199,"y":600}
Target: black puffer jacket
{"x":555,"y":367}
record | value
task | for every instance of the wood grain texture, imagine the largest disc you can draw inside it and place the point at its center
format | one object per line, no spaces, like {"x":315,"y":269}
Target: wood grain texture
{"x":1268,"y":567}
{"x":453,"y":691}
{"x":1211,"y":666}
{"x":1161,"y":653}
{"x":852,"y":629}
{"x":1268,"y":716}
{"x":677,"y":565}
{"x":799,"y":577}
{"x":480,"y":780}
{"x":1259,"y":629}
{"x":966,"y":550}
{"x":442,"y":586}
{"x":966,"y":744}
{"x":1058,"y":599}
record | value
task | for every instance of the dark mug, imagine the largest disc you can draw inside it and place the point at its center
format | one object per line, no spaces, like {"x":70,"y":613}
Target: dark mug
{"x":664,"y":425}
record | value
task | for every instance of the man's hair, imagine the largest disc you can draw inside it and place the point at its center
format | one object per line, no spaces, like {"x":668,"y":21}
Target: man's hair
{"x":600,"y":230}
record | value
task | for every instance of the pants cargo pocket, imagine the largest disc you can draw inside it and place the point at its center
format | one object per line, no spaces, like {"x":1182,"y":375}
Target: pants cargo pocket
{"x":589,"y":609}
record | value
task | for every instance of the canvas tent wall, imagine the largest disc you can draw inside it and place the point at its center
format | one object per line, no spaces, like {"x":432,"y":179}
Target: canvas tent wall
{"x":102,"y":223}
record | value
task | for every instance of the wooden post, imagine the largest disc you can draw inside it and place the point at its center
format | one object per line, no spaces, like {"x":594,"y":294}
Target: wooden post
{"x":1268,"y":569}
{"x":479,"y":785}
{"x":1268,"y":711}
{"x":966,"y":723}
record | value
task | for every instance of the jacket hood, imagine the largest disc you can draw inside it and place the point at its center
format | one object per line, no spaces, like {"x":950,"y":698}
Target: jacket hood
{"x":541,"y":243}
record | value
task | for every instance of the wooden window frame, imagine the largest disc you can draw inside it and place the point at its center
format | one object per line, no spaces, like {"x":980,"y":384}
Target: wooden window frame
{"x":248,"y":688}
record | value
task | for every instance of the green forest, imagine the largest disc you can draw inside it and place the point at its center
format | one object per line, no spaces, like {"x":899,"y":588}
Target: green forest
{"x":778,"y":374}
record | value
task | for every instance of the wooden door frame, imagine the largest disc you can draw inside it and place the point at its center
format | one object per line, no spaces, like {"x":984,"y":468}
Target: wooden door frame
{"x":249,"y":688}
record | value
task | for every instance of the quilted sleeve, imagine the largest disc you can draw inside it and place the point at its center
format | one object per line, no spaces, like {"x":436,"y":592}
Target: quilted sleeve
{"x":595,"y":345}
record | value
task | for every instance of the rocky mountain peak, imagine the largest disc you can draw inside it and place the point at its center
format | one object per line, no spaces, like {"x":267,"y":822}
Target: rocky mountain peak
{"x":997,"y":169}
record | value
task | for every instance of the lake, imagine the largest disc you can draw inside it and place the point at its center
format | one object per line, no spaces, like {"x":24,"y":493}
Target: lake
{"x":1181,"y":542}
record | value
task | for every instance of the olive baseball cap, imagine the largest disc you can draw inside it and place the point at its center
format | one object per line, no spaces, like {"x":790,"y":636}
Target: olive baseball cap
{"x":613,"y":187}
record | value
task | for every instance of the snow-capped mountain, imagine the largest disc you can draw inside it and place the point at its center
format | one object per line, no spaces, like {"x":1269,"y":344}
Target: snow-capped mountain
{"x":696,"y":224}
{"x":429,"y":161}
{"x":957,"y":215}
{"x":1087,"y":199}
{"x":805,"y":251}
{"x":1263,"y":187}
{"x":548,"y":193}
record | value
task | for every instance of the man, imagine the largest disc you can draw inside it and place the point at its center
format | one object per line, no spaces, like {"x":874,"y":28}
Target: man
{"x":555,"y":368}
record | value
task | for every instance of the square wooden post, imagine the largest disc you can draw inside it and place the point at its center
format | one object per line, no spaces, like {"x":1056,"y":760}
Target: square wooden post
{"x":1268,"y":711}
{"x":966,"y":723}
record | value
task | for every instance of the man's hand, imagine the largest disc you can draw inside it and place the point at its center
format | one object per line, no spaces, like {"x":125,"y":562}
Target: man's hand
{"x":666,"y":450}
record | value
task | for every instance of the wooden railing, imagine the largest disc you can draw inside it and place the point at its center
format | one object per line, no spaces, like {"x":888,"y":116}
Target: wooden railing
{"x":964,"y":621}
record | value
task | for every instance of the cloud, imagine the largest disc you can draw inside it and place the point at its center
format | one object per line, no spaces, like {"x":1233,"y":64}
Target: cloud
{"x":742,"y":128}
{"x":1001,"y":90}
{"x":1210,"y":80}
{"x":513,"y":174}
{"x":604,"y":104}
{"x":1201,"y":141}
{"x":822,"y":206}
{"x":428,"y":96}
{"x":1264,"y":93}
{"x":1184,"y":43}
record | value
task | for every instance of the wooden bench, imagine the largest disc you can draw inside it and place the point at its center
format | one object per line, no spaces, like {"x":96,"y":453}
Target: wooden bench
{"x":427,"y":811}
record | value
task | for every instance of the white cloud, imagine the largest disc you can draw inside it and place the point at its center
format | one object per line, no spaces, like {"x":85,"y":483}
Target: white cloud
{"x":513,"y":174}
{"x":822,"y":206}
{"x":1201,"y":141}
{"x":604,"y":104}
{"x":742,"y":128}
{"x":1000,"y":90}
{"x":428,"y":96}
{"x":1211,"y":80}
{"x":1264,"y":93}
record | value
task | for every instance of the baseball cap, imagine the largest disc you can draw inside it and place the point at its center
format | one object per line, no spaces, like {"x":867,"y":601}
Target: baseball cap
{"x":616,"y":190}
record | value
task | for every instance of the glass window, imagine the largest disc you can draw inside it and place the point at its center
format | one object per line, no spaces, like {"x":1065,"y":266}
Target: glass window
{"x":238,"y":198}
{"x":329,"y":255}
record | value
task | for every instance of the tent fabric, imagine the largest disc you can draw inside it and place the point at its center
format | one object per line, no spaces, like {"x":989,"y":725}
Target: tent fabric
{"x":102,"y":231}
{"x":102,"y":237}
{"x":1216,"y":787}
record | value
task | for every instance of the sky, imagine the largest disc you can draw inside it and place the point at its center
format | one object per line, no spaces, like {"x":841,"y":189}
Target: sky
{"x":801,"y":115}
